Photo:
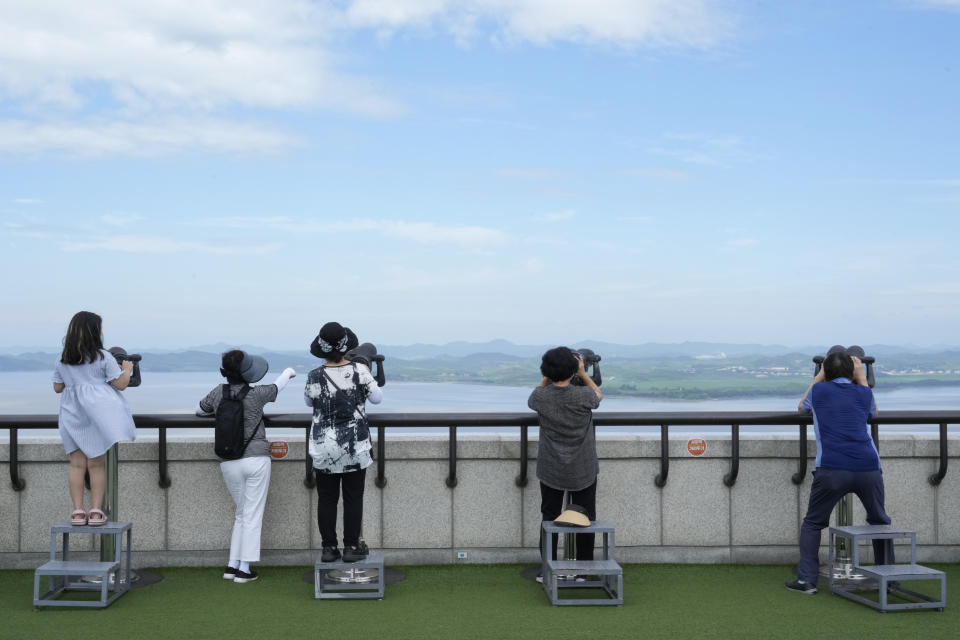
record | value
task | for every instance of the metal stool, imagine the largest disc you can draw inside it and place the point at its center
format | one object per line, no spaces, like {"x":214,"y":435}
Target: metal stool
{"x":349,"y":580}
{"x":113,"y":576}
{"x":606,"y":569}
{"x":885,"y":574}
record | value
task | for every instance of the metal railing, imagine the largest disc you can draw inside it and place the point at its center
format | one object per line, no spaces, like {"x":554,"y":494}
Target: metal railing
{"x":735,"y":420}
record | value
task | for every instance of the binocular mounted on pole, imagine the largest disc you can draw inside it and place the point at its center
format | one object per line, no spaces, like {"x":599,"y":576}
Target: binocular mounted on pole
{"x":366,"y":354}
{"x":854,"y":351}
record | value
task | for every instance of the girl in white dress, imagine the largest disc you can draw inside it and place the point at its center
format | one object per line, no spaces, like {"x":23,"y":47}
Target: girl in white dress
{"x":93,"y":413}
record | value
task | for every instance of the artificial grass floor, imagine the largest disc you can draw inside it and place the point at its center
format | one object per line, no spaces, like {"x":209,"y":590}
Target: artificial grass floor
{"x":471,"y":601}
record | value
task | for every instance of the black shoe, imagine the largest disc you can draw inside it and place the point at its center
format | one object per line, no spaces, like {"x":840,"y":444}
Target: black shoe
{"x":800,"y":586}
{"x":330,"y":554}
{"x":229,"y":573}
{"x":357,"y":553}
{"x":243,"y":576}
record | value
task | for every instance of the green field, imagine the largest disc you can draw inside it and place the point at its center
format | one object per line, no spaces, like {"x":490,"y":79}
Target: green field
{"x":472,"y":601}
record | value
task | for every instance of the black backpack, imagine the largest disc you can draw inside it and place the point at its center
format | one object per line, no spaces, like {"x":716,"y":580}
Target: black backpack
{"x":228,"y":441}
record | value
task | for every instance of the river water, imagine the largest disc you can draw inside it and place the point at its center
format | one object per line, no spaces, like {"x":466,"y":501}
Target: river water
{"x":178,"y":392}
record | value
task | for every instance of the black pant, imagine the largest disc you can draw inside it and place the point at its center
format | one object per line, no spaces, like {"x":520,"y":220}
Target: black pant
{"x":551,"y":505}
{"x":829,"y":487}
{"x":328,"y":494}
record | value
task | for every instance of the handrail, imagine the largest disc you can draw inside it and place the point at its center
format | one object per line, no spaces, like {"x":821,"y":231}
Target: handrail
{"x":801,"y":473}
{"x":450,"y":421}
{"x":935,"y":478}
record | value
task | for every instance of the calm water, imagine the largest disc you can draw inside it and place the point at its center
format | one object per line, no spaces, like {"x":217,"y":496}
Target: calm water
{"x":32,"y":393}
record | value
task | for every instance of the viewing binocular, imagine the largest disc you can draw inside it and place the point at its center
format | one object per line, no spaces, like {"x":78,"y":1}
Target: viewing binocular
{"x":590,"y":359}
{"x":855,"y":351}
{"x":366,"y":354}
{"x":120,"y":354}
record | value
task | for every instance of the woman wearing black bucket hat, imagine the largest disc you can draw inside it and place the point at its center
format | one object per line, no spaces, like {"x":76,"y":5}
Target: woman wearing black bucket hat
{"x":247,"y":477}
{"x":340,"y":438}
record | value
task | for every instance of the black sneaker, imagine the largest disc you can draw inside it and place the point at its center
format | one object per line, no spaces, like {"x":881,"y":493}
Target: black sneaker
{"x":357,"y":553}
{"x":330,"y":554}
{"x":243,"y":576}
{"x":800,"y":586}
{"x":229,"y":573}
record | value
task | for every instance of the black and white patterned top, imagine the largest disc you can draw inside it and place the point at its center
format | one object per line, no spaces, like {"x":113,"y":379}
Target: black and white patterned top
{"x":339,"y":433}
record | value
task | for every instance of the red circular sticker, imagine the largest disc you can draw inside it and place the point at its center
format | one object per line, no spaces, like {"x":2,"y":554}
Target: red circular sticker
{"x":696,"y":446}
{"x":279,"y":449}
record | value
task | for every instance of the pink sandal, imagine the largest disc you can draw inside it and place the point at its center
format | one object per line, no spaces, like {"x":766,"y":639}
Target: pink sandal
{"x":78,"y":518}
{"x":102,"y":520}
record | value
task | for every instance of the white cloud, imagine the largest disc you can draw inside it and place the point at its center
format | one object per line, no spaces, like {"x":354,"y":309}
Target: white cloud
{"x":27,"y":201}
{"x":160,"y":244}
{"x":122,"y":219}
{"x":657,"y":173}
{"x":180,"y":53}
{"x":621,"y":23}
{"x":148,"y":138}
{"x":939,"y":4}
{"x":419,"y":232}
{"x":556,"y":216}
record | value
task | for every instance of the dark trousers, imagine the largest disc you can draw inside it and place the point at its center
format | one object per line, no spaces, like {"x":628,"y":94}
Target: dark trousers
{"x":551,"y":505}
{"x":328,"y":494}
{"x":829,"y":487}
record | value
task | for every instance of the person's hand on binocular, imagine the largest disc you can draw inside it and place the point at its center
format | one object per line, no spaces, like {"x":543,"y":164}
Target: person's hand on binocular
{"x":127,"y":366}
{"x":581,"y":369}
{"x":859,"y":372}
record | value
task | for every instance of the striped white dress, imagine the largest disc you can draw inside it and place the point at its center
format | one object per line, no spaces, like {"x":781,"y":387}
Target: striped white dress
{"x":93,"y":415}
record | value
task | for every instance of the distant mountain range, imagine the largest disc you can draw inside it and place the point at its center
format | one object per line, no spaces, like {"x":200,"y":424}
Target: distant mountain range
{"x":689,"y":370}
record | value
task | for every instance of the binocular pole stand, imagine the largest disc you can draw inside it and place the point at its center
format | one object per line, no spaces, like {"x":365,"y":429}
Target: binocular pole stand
{"x":354,"y":575}
{"x":569,"y":543}
{"x":840,"y":567}
{"x":110,"y":500}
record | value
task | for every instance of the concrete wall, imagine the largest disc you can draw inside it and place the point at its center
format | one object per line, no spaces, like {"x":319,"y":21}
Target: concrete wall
{"x":416,"y":518}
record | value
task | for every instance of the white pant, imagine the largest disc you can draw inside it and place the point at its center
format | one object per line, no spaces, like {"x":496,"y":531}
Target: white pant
{"x":247,"y":480}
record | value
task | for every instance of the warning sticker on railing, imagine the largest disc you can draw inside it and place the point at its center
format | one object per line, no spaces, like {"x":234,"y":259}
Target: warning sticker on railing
{"x":279,"y":449}
{"x":696,"y":446}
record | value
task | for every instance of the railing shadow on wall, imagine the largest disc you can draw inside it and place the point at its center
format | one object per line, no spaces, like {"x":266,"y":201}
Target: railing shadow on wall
{"x":523,"y":421}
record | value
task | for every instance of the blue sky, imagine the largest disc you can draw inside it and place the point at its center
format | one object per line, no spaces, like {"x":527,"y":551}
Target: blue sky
{"x":430,"y":170}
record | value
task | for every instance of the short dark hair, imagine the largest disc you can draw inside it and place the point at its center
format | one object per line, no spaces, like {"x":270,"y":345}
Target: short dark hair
{"x":837,"y":365}
{"x":558,"y":364}
{"x":231,"y":366}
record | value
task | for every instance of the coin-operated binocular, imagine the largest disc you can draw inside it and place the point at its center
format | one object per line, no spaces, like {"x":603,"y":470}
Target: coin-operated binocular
{"x":120,"y":354}
{"x":366,"y":354}
{"x":854,"y":351}
{"x":591,"y":361}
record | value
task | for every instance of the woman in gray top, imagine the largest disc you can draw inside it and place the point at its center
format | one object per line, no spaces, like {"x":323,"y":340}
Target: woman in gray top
{"x":248,"y":477}
{"x":567,"y":451}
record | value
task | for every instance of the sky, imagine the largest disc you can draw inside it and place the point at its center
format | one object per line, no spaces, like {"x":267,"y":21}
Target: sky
{"x":543,"y":171}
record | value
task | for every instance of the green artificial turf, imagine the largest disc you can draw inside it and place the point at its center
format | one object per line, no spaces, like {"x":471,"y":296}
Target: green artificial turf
{"x":471,"y":601}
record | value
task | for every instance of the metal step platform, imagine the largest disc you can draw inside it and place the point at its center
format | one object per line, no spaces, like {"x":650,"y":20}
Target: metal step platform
{"x":606,"y":574}
{"x":111,"y":579}
{"x":887,"y":577}
{"x":349,"y":580}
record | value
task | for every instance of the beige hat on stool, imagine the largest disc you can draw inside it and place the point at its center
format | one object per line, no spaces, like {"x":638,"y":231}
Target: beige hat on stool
{"x":573,"y":516}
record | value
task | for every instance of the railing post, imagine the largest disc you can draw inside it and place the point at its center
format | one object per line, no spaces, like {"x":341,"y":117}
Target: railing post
{"x":452,"y":477}
{"x":18,"y":483}
{"x":660,"y":479}
{"x":522,"y":478}
{"x":730,"y":479}
{"x":802,"y":461}
{"x":164,"y":481}
{"x":309,"y":481}
{"x":381,"y":480}
{"x":936,"y":478}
